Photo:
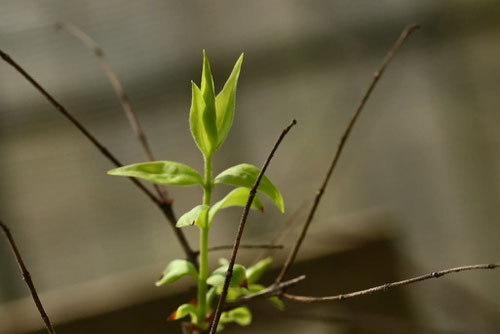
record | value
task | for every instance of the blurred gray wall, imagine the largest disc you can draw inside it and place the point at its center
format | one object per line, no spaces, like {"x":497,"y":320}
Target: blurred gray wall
{"x":425,"y":152}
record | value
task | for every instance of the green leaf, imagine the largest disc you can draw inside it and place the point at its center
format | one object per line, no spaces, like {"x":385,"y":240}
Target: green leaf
{"x":240,"y":315}
{"x":255,"y":272}
{"x":225,"y":102}
{"x":254,"y":288}
{"x":237,"y":197}
{"x":219,"y":275}
{"x":207,"y":86}
{"x":195,"y":216}
{"x":161,"y":172}
{"x":202,"y":123}
{"x":182,"y":311}
{"x":220,"y":326}
{"x":216,"y":280}
{"x":245,"y":175}
{"x":223,"y":261}
{"x":212,"y":292}
{"x":277,"y":302}
{"x":175,"y":270}
{"x":232,"y":293}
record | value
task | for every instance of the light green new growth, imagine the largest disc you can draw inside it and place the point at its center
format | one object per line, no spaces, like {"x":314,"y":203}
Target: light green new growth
{"x":210,"y":119}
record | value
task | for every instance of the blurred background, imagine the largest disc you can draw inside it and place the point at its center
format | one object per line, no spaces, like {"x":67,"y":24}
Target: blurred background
{"x":416,"y":190}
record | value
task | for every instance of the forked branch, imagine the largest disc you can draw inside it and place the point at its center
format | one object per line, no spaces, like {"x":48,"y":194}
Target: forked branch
{"x":165,"y":208}
{"x":27,"y":278}
{"x":253,"y":191}
{"x":272,"y":290}
{"x":88,"y":42}
{"x":383,"y":287}
{"x":93,"y":46}
{"x":293,"y":253}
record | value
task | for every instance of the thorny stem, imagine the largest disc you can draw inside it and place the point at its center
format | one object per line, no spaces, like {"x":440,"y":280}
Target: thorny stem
{"x":166,"y":208}
{"x":27,"y":278}
{"x":383,"y":287}
{"x":293,"y":253}
{"x":253,"y":191}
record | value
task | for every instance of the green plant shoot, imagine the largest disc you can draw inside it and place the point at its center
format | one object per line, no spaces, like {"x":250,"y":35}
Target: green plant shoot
{"x":210,"y":119}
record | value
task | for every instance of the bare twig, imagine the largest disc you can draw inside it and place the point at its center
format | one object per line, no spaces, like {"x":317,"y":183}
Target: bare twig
{"x":319,"y":193}
{"x":164,"y":207}
{"x":92,"y":45}
{"x":253,"y":191}
{"x":270,"y":291}
{"x":383,"y":287}
{"x":244,"y":246}
{"x":27,"y":278}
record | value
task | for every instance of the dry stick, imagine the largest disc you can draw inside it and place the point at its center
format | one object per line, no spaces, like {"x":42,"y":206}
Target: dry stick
{"x":383,"y":287}
{"x":293,"y":253}
{"x":244,"y":246}
{"x":92,"y":45}
{"x":164,"y":207}
{"x":166,"y":202}
{"x":27,"y":278}
{"x":241,"y":227}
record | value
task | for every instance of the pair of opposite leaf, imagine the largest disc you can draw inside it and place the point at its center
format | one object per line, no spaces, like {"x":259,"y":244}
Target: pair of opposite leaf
{"x":210,"y":119}
{"x":243,"y":176}
{"x":241,"y":275}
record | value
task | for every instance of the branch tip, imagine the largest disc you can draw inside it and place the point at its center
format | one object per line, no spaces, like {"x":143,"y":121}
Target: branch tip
{"x":319,"y":194}
{"x":387,"y":286}
{"x":159,"y":201}
{"x":222,"y":298}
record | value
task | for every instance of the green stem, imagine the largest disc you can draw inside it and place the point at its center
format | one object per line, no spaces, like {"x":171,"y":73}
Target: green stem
{"x":202,"y":280}
{"x":207,"y":187}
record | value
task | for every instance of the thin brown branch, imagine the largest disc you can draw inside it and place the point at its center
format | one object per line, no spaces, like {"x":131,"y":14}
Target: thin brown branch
{"x":253,"y":191}
{"x":27,"y":278}
{"x":244,"y":246}
{"x":319,"y":193}
{"x":93,"y":46}
{"x":383,"y":287}
{"x":270,"y":291}
{"x":164,"y":207}
{"x":74,"y":121}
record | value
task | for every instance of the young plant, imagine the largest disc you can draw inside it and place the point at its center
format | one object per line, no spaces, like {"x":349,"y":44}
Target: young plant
{"x":210,"y":119}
